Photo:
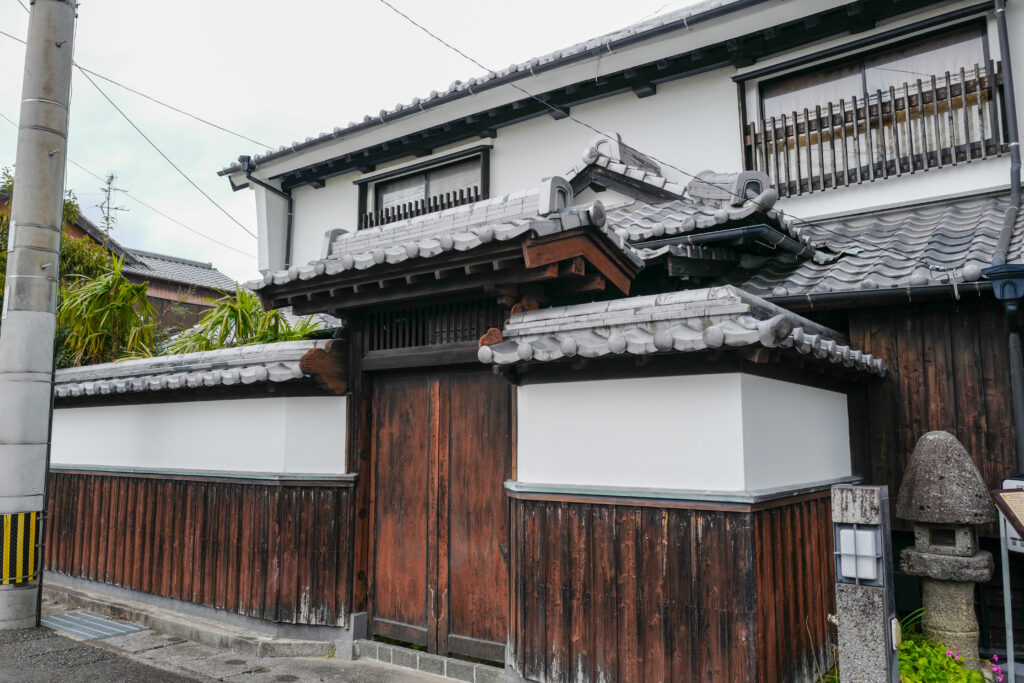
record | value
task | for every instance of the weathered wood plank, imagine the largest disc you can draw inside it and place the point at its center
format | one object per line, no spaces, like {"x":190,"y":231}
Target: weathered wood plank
{"x":200,"y":541}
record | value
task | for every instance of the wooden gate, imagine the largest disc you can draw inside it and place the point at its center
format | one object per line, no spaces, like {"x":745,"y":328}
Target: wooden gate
{"x":442,"y":451}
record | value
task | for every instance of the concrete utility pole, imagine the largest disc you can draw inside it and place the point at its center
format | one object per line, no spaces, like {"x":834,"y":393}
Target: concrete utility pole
{"x":30,"y":297}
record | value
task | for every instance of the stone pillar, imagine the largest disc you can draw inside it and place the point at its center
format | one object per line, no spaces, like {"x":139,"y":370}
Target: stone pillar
{"x":865,"y":604}
{"x":945,"y":497}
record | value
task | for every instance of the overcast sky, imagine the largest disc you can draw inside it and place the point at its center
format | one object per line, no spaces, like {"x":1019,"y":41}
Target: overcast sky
{"x":273,"y":71}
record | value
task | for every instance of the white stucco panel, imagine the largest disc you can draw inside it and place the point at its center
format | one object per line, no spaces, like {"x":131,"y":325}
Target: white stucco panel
{"x":793,"y":434}
{"x":266,"y":435}
{"x":661,"y":432}
{"x":721,"y":432}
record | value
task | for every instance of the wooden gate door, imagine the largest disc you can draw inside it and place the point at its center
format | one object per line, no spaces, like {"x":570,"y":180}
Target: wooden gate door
{"x":442,"y":451}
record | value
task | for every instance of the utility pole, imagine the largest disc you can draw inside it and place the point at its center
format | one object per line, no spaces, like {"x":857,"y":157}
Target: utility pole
{"x":106,"y":206}
{"x":28,"y":321}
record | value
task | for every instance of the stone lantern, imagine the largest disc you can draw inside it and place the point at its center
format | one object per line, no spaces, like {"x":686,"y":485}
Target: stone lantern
{"x":945,"y":497}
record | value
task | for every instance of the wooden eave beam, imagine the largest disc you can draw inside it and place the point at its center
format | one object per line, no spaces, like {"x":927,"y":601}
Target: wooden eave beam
{"x":565,"y":246}
{"x":453,"y":285}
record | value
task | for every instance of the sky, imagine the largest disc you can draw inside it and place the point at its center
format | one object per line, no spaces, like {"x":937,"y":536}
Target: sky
{"x":273,"y":71}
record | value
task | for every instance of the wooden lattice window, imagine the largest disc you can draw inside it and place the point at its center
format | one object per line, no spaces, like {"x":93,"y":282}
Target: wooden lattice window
{"x":430,"y":325}
{"x":918,"y":105}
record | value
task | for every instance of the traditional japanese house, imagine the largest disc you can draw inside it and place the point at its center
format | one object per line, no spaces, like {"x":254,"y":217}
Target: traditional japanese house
{"x":584,"y":423}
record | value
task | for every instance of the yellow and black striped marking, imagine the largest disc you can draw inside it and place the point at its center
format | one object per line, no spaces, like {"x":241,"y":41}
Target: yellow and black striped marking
{"x":18,"y":550}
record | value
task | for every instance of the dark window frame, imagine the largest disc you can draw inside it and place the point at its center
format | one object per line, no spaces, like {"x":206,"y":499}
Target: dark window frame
{"x":863,"y":51}
{"x":367,"y":185}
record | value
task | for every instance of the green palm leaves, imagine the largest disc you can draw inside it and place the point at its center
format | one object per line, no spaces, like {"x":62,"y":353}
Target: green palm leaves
{"x":238,"y":320}
{"x":106,"y":318}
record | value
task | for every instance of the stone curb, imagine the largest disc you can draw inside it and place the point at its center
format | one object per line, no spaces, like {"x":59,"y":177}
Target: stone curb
{"x":191,"y":628}
{"x":407,"y":658}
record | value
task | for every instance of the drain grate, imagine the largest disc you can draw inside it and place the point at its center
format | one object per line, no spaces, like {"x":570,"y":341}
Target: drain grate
{"x":88,"y":626}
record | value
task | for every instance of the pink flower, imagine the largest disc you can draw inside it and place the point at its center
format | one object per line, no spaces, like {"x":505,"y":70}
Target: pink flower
{"x":948,"y":653}
{"x":995,"y":658}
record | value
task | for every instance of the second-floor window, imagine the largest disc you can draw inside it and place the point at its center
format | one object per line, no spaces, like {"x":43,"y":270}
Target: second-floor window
{"x":424,"y":190}
{"x":920,"y":104}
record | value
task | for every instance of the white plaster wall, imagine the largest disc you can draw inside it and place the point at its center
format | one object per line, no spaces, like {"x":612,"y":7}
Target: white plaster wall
{"x":669,"y":125}
{"x":266,"y":435}
{"x":724,"y":432}
{"x":662,"y":432}
{"x":792,"y":434}
{"x":524,"y":153}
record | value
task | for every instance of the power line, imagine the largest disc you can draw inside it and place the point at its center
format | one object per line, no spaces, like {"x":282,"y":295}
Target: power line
{"x":153,"y":99}
{"x":166,"y":158}
{"x":141,"y":202}
{"x":563,"y":113}
{"x":172,"y":107}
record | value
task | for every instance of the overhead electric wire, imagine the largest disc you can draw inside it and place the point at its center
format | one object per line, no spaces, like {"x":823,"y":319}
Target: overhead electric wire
{"x":166,"y":158}
{"x":563,"y":113}
{"x":146,"y":205}
{"x":173,"y":108}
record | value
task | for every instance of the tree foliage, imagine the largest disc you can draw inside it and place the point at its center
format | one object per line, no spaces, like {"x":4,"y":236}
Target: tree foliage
{"x":239,"y":320}
{"x":106,"y":318}
{"x":78,"y":257}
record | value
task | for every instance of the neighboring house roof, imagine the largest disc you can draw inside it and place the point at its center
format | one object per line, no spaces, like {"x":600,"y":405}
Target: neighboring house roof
{"x":178,"y":270}
{"x":685,"y":321}
{"x":458,"y":229}
{"x":669,"y":21}
{"x":240,"y":365}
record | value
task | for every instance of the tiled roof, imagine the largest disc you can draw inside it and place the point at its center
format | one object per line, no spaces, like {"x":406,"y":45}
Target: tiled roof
{"x":691,"y":320}
{"x":239,"y":365}
{"x":707,"y":201}
{"x":680,"y":18}
{"x":893,"y":248}
{"x":872,"y":250}
{"x":458,"y":229}
{"x":175,"y":269}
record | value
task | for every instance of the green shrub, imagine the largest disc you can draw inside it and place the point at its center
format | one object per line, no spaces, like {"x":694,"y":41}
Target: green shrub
{"x":923,"y":660}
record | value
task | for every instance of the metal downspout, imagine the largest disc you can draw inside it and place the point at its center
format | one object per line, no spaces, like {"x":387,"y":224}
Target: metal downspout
{"x":1010,"y":219}
{"x":248,"y":167}
{"x":1008,"y":279}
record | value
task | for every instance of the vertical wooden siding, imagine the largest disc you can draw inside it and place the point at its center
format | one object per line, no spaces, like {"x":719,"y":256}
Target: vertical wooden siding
{"x":275,"y":552}
{"x":610,"y":592}
{"x":795,"y":588}
{"x":948,"y":368}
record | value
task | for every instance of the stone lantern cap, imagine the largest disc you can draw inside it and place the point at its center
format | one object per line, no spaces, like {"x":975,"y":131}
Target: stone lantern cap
{"x":942,"y":485}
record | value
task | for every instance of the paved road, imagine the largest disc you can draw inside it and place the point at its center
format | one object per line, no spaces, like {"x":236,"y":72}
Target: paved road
{"x":43,"y":656}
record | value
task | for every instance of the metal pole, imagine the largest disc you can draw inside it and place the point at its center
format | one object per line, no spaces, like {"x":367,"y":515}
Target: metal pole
{"x":1016,"y":379}
{"x":1007,"y":597}
{"x":27,"y":322}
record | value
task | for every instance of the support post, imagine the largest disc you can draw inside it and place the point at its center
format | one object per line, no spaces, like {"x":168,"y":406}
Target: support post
{"x":27,"y":321}
{"x":865,"y":605}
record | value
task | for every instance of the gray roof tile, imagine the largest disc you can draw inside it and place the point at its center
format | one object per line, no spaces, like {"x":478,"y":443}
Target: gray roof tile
{"x":179,"y":270}
{"x":685,"y":321}
{"x":459,"y":229}
{"x":942,"y":242}
{"x":239,"y":365}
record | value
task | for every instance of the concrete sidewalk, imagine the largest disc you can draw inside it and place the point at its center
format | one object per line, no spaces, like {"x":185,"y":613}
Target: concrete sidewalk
{"x":43,"y":656}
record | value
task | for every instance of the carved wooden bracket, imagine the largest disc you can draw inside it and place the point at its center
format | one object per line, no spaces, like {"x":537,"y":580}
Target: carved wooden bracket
{"x":329,"y":368}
